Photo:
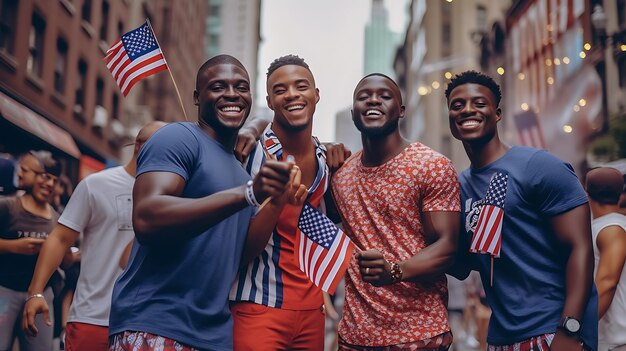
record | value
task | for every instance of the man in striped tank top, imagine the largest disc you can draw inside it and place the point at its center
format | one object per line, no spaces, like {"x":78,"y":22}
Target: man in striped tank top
{"x":274,"y":305}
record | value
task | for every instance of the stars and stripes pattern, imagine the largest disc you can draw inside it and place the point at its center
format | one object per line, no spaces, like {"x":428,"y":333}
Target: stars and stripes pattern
{"x":136,"y":55}
{"x":488,"y":233}
{"x":324,"y":251}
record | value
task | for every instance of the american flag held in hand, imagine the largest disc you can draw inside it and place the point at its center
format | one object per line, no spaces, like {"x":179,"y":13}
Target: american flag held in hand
{"x":488,"y":232}
{"x":324,"y":251}
{"x":136,"y":55}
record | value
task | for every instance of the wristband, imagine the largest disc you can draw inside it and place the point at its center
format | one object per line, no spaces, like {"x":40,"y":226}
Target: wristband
{"x":34,"y":296}
{"x":249,"y":194}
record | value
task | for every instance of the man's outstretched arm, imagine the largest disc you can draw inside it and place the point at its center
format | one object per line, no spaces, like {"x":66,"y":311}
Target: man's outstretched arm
{"x":161,"y":215}
{"x":52,"y":252}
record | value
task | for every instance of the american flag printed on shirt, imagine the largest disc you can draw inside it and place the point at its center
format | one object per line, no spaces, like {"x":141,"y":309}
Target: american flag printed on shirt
{"x":324,"y":251}
{"x":136,"y":55}
{"x":488,"y":232}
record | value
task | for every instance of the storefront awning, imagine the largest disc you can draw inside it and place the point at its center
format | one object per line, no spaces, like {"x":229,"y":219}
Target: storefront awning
{"x":26,"y":119}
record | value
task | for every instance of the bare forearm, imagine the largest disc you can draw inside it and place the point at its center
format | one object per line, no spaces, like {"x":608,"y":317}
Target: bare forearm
{"x":5,"y":246}
{"x":579,"y":278}
{"x":165,"y":218}
{"x":430,"y":262}
{"x":50,"y":257}
{"x":258,"y":123}
{"x":606,"y":292}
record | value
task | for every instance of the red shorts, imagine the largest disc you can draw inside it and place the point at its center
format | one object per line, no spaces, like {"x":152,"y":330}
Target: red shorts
{"x":83,"y":336}
{"x":259,"y":328}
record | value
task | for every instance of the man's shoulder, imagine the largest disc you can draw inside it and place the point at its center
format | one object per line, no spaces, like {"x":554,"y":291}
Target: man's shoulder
{"x":104,"y":174}
{"x":419,"y":148}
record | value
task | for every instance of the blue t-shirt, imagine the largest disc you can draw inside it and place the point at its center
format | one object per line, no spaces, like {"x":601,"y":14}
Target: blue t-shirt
{"x":528,"y":292}
{"x":180,"y":291}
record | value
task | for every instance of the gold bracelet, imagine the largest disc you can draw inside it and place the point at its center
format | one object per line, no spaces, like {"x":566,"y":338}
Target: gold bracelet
{"x":34,"y":296}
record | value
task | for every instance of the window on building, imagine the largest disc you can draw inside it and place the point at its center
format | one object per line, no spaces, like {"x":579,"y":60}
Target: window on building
{"x":100,"y":92}
{"x":145,"y":91}
{"x":86,"y":11}
{"x":104,"y":24}
{"x":34,"y":65}
{"x":8,"y":14}
{"x":60,"y":66}
{"x":115,"y":106}
{"x":481,"y":18}
{"x":81,"y":85}
{"x":621,"y":14}
{"x":621,"y":66}
{"x":446,"y":29}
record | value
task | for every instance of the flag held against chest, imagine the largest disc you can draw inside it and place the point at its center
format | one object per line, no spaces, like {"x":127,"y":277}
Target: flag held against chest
{"x":136,"y":55}
{"x":324,"y":251}
{"x":488,"y":233}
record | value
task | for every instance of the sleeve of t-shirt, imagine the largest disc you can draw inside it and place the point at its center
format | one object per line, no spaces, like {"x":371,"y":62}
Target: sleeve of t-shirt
{"x":77,"y":212}
{"x":555,"y":188}
{"x":441,"y":192}
{"x":173,"y":148}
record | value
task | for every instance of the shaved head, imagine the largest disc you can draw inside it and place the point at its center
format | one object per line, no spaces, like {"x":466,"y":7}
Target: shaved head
{"x":145,"y":133}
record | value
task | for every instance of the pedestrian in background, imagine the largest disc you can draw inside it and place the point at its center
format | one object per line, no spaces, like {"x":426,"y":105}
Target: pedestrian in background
{"x":25,"y":223}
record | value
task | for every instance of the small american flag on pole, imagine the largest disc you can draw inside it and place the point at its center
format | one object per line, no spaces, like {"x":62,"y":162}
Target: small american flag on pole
{"x":488,"y":233}
{"x":324,"y":251}
{"x":136,"y":55}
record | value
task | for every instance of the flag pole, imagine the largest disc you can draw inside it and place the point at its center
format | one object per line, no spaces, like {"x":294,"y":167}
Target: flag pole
{"x":180,"y":100}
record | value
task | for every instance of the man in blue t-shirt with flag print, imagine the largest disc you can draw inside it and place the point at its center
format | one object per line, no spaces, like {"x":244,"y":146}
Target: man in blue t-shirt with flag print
{"x":193,"y":208}
{"x":527,"y":230}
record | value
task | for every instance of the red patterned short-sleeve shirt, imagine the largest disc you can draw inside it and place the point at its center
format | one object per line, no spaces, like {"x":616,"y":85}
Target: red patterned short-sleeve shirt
{"x":381,"y":209}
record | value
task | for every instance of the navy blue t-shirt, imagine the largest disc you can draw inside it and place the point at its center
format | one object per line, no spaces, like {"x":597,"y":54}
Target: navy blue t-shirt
{"x":528,"y":292}
{"x":180,"y":291}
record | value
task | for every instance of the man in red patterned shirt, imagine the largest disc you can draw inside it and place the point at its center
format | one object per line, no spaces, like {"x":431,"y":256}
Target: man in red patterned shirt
{"x":399,"y":202}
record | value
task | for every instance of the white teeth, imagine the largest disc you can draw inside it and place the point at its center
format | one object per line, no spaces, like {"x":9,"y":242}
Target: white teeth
{"x":231,"y":109}
{"x":470,"y":123}
{"x":373,"y":112}
{"x":295,"y":107}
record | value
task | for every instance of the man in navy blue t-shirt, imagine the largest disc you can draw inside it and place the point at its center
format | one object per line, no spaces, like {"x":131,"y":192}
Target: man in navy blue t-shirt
{"x":192,"y":212}
{"x":527,"y":225}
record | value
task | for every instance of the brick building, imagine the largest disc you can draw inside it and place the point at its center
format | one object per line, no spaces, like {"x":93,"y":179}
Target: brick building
{"x":56,"y":92}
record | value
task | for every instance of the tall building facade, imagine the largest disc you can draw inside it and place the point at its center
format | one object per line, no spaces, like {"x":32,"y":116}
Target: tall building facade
{"x":553,"y":92}
{"x":442,"y":39}
{"x":233,"y":27}
{"x":53,"y":78}
{"x":180,"y":27}
{"x":380,"y":42}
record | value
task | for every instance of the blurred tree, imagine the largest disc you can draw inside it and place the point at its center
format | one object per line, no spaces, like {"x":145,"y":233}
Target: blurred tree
{"x":612,"y":145}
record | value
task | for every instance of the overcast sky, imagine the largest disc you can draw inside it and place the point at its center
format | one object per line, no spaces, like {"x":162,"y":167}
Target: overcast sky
{"x":328,"y":34}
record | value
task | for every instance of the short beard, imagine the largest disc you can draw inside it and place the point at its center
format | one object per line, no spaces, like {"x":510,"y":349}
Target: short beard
{"x":377,"y":132}
{"x":219,"y":128}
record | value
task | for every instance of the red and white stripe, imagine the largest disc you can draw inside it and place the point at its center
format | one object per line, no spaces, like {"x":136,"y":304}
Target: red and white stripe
{"x":325,"y":268}
{"x":488,"y":233}
{"x":126,"y":72}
